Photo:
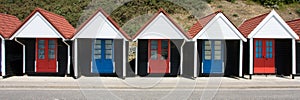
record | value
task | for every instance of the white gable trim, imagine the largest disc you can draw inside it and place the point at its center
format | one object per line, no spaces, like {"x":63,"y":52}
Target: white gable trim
{"x":100,"y":29}
{"x":21,"y":34}
{"x":146,"y":33}
{"x":272,"y":14}
{"x":1,"y":37}
{"x":221,"y":16}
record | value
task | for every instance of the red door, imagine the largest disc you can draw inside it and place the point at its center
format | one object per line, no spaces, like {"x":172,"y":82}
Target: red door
{"x":159,"y":56}
{"x":46,"y":51}
{"x":264,"y":56}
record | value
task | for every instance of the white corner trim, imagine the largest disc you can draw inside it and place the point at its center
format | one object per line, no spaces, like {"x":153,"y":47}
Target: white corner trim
{"x":3,"y":70}
{"x":75,"y":58}
{"x":241,"y":59}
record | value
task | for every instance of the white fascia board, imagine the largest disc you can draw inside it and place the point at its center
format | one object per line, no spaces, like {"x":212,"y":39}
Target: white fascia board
{"x":221,"y":16}
{"x":277,"y":18}
{"x":160,"y":28}
{"x":37,"y":24}
{"x":99,"y":24}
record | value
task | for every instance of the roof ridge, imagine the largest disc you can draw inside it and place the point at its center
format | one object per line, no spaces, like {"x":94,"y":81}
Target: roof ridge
{"x":43,"y":10}
{"x":257,"y":16}
{"x":8,"y":15}
{"x":107,"y":16}
{"x":161,"y":10}
{"x":292,"y":20}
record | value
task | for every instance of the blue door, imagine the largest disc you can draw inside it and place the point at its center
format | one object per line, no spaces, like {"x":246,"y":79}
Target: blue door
{"x":103,"y":56}
{"x":212,"y":57}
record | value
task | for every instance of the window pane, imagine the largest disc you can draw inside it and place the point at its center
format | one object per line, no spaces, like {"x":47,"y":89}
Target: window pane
{"x":51,"y":47}
{"x":108,"y":56}
{"x":154,"y":54}
{"x":164,"y":51}
{"x":97,"y":51}
{"x":97,"y":56}
{"x":41,"y":54}
{"x":51,"y":54}
{"x":207,"y":43}
{"x":153,"y":44}
{"x":218,"y":43}
{"x":108,"y":46}
{"x":41,"y":49}
{"x":207,"y":55}
{"x":97,"y":47}
{"x":98,"y":42}
{"x":207,"y":48}
{"x":108,"y":52}
{"x":108,"y":42}
{"x":41,"y":44}
{"x":217,"y":55}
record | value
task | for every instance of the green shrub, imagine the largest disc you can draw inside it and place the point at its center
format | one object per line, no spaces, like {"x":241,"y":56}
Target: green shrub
{"x":275,"y":3}
{"x":219,"y":6}
{"x":209,"y":1}
{"x":235,"y":15}
{"x":298,"y":11}
{"x":232,"y":1}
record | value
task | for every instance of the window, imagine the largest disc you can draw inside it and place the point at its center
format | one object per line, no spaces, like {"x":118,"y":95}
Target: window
{"x":97,"y":49}
{"x":154,"y":49}
{"x":51,"y":48}
{"x":217,"y":47}
{"x":164,"y":49}
{"x":207,"y":50}
{"x":41,"y":49}
{"x":108,"y":49}
{"x":269,"y":49}
{"x":258,"y":50}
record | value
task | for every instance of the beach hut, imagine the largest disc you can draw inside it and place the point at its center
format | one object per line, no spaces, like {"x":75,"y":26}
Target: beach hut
{"x":43,"y":38}
{"x":159,"y":47}
{"x":8,"y":24}
{"x":219,"y":46}
{"x":272,"y":45}
{"x":295,"y":25}
{"x":100,"y":47}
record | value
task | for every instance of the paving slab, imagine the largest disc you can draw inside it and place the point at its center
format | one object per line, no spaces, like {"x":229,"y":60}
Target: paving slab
{"x":257,"y":81}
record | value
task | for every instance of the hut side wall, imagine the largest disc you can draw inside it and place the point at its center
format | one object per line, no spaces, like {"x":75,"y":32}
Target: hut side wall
{"x":283,"y":56}
{"x":13,"y":58}
{"x":142,"y":57}
{"x":199,"y":60}
{"x":118,"y":57}
{"x":232,"y":58}
{"x":298,"y":58}
{"x":188,"y":59}
{"x":84,"y":50}
{"x":175,"y":56}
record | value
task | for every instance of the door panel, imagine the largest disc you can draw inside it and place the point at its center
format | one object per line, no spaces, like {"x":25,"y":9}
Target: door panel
{"x":159,"y":56}
{"x":46,"y":55}
{"x":213,"y":56}
{"x":264,"y":52}
{"x":207,"y":61}
{"x":270,"y":60}
{"x":103,"y":56}
{"x":259,"y":59}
